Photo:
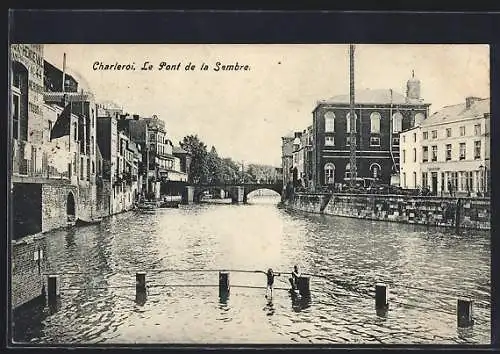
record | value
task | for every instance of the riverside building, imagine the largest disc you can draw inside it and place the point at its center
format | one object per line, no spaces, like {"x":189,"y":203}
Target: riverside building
{"x":451,"y":149}
{"x":381,"y":114}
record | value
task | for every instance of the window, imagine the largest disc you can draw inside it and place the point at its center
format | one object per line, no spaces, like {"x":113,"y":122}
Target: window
{"x":434,"y":153}
{"x":349,"y":122}
{"x":404,"y":156}
{"x":462,"y":151}
{"x":50,"y":126}
{"x":375,"y":123}
{"x":395,"y":140}
{"x":419,"y":118}
{"x":397,"y":122}
{"x":414,"y":179}
{"x":329,"y":122}
{"x":470,"y":183}
{"x":20,"y":102}
{"x":448,"y":132}
{"x":329,"y":173}
{"x":425,"y":153}
{"x":477,"y":149}
{"x":348,"y":140}
{"x":329,"y":141}
{"x":75,"y":131}
{"x":414,"y":155}
{"x":414,"y":137}
{"x":425,"y":135}
{"x":81,"y":168}
{"x":424,"y":180}
{"x":375,"y":141}
{"x":454,"y":179}
{"x":448,"y":152}
{"x":93,"y":167}
{"x":348,"y":170}
{"x":404,"y":180}
{"x":462,"y":130}
{"x":404,"y":138}
{"x":477,"y":129}
{"x":92,"y":145}
{"x":463,"y":181}
{"x":434,"y":134}
{"x":92,"y":118}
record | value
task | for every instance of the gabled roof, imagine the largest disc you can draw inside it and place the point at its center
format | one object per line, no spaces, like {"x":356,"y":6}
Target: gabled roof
{"x":372,"y":96}
{"x":459,"y":112}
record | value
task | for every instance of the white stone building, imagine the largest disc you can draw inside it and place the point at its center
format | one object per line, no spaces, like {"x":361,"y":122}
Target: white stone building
{"x":451,"y":149}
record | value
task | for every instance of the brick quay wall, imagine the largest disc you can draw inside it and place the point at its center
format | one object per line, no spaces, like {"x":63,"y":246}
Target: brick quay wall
{"x":470,"y":213}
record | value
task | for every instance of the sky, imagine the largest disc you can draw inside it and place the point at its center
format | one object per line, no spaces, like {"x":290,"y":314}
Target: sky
{"x":244,"y":114}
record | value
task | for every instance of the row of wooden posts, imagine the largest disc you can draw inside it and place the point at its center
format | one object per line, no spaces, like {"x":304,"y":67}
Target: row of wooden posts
{"x":464,"y":306}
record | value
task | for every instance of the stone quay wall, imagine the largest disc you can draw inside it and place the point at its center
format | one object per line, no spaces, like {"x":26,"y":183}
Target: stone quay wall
{"x":54,"y":204}
{"x":469,"y":213}
{"x":28,"y":263}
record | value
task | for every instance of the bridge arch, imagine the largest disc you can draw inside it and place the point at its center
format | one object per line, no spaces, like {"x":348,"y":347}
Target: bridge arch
{"x":231,"y":189}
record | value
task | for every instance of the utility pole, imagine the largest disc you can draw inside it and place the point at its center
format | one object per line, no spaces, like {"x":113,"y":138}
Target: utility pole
{"x":352,"y":118}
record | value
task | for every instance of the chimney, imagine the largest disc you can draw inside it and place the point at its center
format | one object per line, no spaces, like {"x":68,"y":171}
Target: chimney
{"x":469,"y":101}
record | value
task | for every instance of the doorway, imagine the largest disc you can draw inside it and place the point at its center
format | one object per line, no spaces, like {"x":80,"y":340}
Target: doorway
{"x":434,"y":178}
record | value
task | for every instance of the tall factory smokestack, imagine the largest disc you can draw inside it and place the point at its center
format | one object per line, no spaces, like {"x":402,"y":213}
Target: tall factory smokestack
{"x":352,"y":118}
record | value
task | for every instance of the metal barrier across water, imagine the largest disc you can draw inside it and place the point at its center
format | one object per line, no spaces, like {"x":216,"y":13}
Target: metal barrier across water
{"x":380,"y":292}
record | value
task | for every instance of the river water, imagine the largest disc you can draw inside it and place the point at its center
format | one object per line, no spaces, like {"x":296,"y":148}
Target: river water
{"x":98,"y":305}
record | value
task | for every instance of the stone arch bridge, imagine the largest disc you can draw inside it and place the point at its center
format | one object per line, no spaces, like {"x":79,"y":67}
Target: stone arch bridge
{"x":238,"y":192}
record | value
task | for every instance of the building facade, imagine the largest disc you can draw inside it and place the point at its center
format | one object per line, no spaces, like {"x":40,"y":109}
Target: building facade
{"x":287,"y":159}
{"x":380,"y":116}
{"x":453,"y":150}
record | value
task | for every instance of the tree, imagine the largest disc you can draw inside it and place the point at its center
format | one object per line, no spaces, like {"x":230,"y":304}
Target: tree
{"x":198,"y":150}
{"x":214,"y":166}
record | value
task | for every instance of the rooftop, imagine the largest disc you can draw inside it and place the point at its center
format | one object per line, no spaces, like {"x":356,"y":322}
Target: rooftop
{"x":477,"y":109}
{"x":372,"y":96}
{"x":178,"y":150}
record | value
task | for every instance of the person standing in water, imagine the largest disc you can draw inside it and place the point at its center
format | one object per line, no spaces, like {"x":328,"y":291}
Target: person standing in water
{"x":270,"y":281}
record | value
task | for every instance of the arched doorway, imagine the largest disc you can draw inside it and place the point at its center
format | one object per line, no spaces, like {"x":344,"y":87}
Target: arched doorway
{"x":375,"y":170}
{"x":329,"y":173}
{"x":70,"y":205}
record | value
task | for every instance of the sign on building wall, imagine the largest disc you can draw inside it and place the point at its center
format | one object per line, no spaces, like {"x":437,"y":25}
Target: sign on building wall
{"x":31,"y":56}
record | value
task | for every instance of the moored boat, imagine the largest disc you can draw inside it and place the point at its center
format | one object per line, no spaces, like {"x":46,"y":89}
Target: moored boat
{"x":147,"y":205}
{"x":82,"y":222}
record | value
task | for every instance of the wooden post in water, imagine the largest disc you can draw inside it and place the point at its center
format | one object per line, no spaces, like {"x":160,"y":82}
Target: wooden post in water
{"x":224,"y":284}
{"x":140,"y":283}
{"x":303,"y":284}
{"x":464,"y":313}
{"x":381,"y":297}
{"x":52,"y":290}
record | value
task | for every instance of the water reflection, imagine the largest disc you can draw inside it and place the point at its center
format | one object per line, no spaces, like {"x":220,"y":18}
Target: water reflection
{"x":351,"y":256}
{"x":269,"y":308}
{"x":300,"y":303}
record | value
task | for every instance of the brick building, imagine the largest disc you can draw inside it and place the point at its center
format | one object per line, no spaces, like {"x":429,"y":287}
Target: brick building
{"x":380,"y":114}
